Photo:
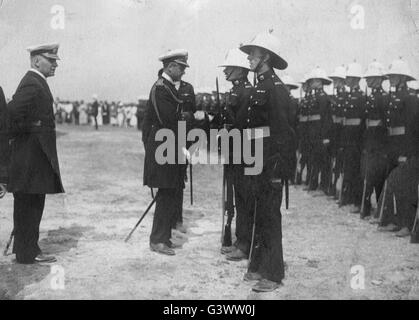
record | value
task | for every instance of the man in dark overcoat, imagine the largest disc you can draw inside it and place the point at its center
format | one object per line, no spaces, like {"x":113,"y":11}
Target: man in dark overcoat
{"x":34,"y":169}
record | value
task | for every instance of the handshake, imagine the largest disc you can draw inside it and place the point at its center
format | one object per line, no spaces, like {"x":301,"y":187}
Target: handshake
{"x":198,"y":115}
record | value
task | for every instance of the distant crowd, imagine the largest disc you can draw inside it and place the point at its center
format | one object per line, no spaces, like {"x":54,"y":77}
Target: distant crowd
{"x":117,"y":114}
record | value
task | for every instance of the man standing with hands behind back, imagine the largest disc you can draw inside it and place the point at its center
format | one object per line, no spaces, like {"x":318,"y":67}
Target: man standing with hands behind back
{"x":34,"y":169}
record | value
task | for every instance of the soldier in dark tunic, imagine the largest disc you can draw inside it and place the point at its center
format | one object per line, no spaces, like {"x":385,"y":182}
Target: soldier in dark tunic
{"x":338,"y":103}
{"x":400,"y":111}
{"x":34,"y":169}
{"x":236,"y":70}
{"x":320,"y":119}
{"x":269,"y":103}
{"x":353,"y":127}
{"x":374,"y":161}
{"x":303,"y":134}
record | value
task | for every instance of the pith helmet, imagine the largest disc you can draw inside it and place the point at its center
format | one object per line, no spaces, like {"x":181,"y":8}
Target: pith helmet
{"x":375,"y":69}
{"x":354,"y":70}
{"x":319,"y":73}
{"x":339,"y":73}
{"x":289,"y":81}
{"x":270,"y":43}
{"x":236,"y":58}
{"x":401,"y":67}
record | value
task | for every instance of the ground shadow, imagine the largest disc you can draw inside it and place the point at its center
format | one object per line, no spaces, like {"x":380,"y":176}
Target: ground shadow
{"x":14,"y":277}
{"x":63,"y":239}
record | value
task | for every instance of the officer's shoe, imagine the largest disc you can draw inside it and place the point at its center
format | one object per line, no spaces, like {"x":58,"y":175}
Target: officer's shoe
{"x":236,"y":255}
{"x":356,"y":210}
{"x":389,"y":228}
{"x":179,"y":227}
{"x":173,"y":245}
{"x":252,"y":276}
{"x":40,"y":258}
{"x":162,"y":248}
{"x":403,"y":233}
{"x":266,"y":286}
{"x":225,"y":250}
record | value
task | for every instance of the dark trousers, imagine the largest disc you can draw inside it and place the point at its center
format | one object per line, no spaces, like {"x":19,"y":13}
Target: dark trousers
{"x":352,"y":183}
{"x":374,"y":166}
{"x":267,"y":256}
{"x":168,"y":202}
{"x":27,"y":215}
{"x":320,"y":159}
{"x":244,"y":201}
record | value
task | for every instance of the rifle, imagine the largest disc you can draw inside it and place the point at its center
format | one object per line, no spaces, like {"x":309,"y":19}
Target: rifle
{"x":227,"y":192}
{"x":383,"y":203}
{"x":414,"y":237}
{"x":9,"y":243}
{"x":342,"y":186}
{"x":142,"y":218}
{"x":191,"y":182}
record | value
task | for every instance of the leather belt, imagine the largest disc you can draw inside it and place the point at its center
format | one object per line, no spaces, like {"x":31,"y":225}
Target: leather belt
{"x":352,"y":122}
{"x":257,"y":133}
{"x":315,"y":117}
{"x":373,"y":123}
{"x":397,"y":131}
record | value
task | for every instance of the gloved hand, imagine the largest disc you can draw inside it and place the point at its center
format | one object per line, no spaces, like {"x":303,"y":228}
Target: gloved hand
{"x":199,"y":115}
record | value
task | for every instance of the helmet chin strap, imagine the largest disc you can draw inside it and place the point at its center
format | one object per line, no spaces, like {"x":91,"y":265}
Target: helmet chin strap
{"x":229,"y":76}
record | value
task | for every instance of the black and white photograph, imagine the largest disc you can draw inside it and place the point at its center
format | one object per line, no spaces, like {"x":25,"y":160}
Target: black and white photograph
{"x":209,"y":150}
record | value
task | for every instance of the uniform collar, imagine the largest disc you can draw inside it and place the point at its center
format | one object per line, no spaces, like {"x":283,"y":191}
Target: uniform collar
{"x":266,"y":75}
{"x":38,"y":73}
{"x":168,"y":78}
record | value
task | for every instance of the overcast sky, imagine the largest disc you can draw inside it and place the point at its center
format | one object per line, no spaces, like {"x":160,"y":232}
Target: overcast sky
{"x":110,"y":47}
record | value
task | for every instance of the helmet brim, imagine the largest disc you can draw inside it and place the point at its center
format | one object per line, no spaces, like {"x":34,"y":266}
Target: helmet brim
{"x":276,"y":60}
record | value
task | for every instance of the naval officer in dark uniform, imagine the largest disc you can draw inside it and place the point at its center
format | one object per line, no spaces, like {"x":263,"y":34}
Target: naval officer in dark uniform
{"x":164,"y":112}
{"x":34,"y":169}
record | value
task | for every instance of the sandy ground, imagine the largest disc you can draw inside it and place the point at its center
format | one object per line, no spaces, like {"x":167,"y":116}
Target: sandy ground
{"x":85,"y":228}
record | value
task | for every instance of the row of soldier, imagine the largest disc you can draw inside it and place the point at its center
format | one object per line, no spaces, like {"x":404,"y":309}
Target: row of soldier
{"x":359,"y":138}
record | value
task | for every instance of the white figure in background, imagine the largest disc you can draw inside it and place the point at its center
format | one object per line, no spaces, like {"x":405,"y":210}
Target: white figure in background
{"x":121,"y":115}
{"x":133,"y":116}
{"x":100,"y":115}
